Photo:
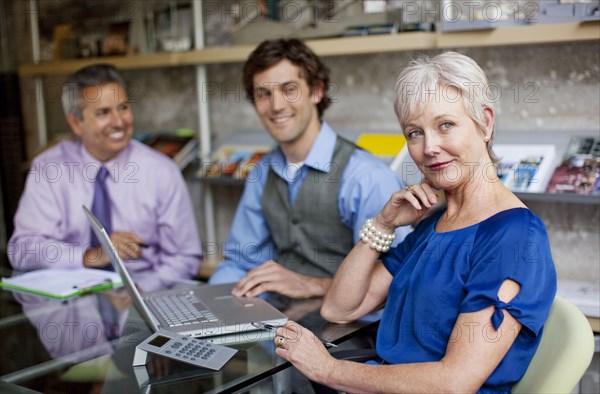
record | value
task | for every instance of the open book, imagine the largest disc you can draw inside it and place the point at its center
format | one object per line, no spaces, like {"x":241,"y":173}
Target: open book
{"x":63,"y":283}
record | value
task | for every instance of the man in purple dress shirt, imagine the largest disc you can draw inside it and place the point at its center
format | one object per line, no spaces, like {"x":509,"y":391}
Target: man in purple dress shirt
{"x":152,"y":217}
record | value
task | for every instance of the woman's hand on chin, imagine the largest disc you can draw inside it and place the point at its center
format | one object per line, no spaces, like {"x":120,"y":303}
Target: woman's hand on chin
{"x":406,"y":207}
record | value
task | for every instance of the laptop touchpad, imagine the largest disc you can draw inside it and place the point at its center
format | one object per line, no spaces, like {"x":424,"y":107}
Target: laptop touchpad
{"x":229,"y":301}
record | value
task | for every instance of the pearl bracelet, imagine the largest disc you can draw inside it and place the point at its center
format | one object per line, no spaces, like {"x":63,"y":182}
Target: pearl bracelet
{"x":375,"y":238}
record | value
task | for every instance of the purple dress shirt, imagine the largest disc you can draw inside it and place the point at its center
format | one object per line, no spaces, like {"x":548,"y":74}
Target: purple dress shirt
{"x":148,"y":197}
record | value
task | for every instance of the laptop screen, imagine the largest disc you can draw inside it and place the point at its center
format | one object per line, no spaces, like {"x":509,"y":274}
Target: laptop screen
{"x":119,"y":267}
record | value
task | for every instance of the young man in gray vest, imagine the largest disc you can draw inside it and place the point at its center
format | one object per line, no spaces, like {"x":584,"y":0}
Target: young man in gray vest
{"x":304,"y":204}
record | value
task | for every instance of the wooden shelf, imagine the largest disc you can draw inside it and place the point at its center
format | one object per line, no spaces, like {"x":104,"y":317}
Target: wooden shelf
{"x":561,"y":198}
{"x":163,"y":59}
{"x":409,"y":41}
{"x":517,"y":35}
{"x":547,"y":33}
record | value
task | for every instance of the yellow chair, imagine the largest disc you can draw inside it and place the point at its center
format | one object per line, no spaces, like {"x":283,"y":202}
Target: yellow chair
{"x":564,"y":353}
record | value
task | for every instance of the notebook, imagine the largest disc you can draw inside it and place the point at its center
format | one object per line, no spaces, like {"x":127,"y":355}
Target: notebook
{"x":198,"y":310}
{"x":62,"y":283}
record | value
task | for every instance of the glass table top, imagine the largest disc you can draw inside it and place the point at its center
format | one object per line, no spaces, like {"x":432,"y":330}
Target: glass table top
{"x":86,"y":344}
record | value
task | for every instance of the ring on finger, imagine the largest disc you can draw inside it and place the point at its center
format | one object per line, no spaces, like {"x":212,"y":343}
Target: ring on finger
{"x":408,"y":188}
{"x":280,"y":342}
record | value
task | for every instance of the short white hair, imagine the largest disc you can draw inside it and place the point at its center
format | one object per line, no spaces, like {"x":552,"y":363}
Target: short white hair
{"x":449,"y":73}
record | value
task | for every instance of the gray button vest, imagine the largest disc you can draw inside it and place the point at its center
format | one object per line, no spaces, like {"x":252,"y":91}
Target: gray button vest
{"x":309,"y":236}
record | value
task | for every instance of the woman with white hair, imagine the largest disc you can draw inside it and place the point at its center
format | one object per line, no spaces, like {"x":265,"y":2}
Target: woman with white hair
{"x":467,"y":293}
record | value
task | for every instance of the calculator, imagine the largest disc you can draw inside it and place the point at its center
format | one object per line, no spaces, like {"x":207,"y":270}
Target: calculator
{"x":182,"y":348}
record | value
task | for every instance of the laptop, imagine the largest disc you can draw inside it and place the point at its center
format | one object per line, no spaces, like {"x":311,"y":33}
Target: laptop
{"x":206,"y":311}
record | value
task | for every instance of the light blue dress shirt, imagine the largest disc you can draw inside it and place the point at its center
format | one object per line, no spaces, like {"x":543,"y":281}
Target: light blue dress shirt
{"x":366,"y":185}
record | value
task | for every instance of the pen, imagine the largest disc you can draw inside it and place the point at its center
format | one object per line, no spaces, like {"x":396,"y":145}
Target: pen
{"x":272,"y":328}
{"x":143,"y":245}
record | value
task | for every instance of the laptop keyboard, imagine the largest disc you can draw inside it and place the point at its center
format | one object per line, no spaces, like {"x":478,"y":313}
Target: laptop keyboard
{"x":182,"y":309}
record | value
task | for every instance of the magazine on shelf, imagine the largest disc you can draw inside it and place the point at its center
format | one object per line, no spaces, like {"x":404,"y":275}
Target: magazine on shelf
{"x":232,"y":162}
{"x":384,"y":145}
{"x":579,"y":171}
{"x":180,"y":148}
{"x":525,"y":167}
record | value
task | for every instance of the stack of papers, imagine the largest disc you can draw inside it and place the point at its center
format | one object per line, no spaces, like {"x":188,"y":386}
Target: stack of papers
{"x":63,"y":283}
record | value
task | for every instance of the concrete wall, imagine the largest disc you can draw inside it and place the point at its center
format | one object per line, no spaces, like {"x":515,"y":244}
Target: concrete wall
{"x":540,"y":91}
{"x":545,"y":87}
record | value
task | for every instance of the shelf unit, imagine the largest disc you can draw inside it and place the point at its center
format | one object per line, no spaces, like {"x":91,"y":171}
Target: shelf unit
{"x":200,"y":57}
{"x":517,"y":35}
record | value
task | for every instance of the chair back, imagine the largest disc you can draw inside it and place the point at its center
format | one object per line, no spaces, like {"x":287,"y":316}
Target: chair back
{"x":564,"y":353}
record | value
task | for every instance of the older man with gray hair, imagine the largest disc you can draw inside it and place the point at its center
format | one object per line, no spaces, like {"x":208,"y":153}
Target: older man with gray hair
{"x":138,"y":194}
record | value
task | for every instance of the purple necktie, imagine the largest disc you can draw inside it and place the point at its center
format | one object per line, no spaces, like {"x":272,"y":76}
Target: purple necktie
{"x":101,"y":205}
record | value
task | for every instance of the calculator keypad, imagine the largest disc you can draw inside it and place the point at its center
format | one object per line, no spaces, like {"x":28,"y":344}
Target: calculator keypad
{"x":189,"y":350}
{"x":193,"y":349}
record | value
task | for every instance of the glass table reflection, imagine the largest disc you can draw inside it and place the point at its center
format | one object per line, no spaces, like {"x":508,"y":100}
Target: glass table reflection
{"x":86,"y":345}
